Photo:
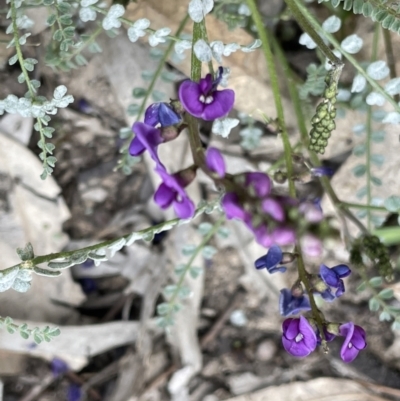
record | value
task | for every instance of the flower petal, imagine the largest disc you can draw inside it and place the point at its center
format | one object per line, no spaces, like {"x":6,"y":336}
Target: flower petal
{"x":215,"y":161}
{"x":284,"y":235}
{"x":164,"y":196}
{"x":220,"y":106}
{"x":149,"y":137}
{"x":136,"y":147}
{"x":184,"y":208}
{"x":151,"y":114}
{"x":189,"y":95}
{"x":232,"y":207}
{"x":342,"y":270}
{"x":260,"y":183}
{"x":329,"y":276}
{"x":274,"y":209}
{"x":167,"y":116}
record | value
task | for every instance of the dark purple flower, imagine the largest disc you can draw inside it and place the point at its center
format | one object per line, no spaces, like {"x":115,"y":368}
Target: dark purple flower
{"x":291,"y":305}
{"x":321,"y":171}
{"x":333,"y":277}
{"x":146,"y":138}
{"x":215,"y":161}
{"x":172,"y":192}
{"x":203,"y":100}
{"x":299,"y":338}
{"x":58,"y":367}
{"x":354,"y":341}
{"x":74,"y":392}
{"x":271,"y":261}
{"x":258,"y":184}
{"x":161,"y":114}
{"x":232,"y":207}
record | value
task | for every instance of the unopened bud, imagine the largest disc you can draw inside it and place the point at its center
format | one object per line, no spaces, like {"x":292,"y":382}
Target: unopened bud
{"x":169,"y":133}
{"x":280,"y":177}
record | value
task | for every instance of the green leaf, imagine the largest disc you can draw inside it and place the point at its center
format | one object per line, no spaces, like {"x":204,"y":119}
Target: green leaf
{"x":26,"y":253}
{"x":205,"y":228}
{"x":58,"y":36}
{"x":133,"y":109}
{"x":125,"y":132}
{"x":362,"y":287}
{"x":358,"y":6}
{"x":359,"y":170}
{"x":373,"y":305}
{"x":180,"y":269}
{"x":359,"y":150}
{"x":386,"y":293}
{"x":69,"y":32}
{"x":24,"y":334}
{"x":138,"y":93}
{"x":66,"y":19}
{"x":21,"y":78}
{"x":147,"y":75}
{"x":13,"y":59}
{"x":54,"y":332}
{"x":81,"y":60}
{"x":378,"y":136}
{"x":385,"y":316}
{"x":376,"y":281}
{"x":184,"y":292}
{"x":195,"y":271}
{"x":361,"y":192}
{"x":163,"y":309}
{"x":170,"y":290}
{"x":51,"y":19}
{"x":376,"y":181}
{"x":378,"y":160}
{"x":189,"y":249}
{"x":10,"y":329}
{"x":395,"y":325}
{"x":392,"y":204}
{"x":157,"y":95}
{"x":208,"y":252}
{"x":223,"y":232}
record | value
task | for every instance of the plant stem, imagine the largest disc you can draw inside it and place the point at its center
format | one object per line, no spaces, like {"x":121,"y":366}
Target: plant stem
{"x":188,"y":265}
{"x":359,"y":206}
{"x":276,"y":92}
{"x":315,"y":24}
{"x":94,"y":35}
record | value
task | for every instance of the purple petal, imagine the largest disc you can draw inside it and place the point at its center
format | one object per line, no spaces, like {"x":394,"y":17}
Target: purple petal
{"x":149,"y":137}
{"x":167,"y":116}
{"x":206,"y":84}
{"x":184,"y":208}
{"x":340,"y":289}
{"x":283,"y":236}
{"x":220,"y":106}
{"x":262,"y":235}
{"x":290,"y":328}
{"x":321,"y":171}
{"x":349,"y":354}
{"x":274,"y":209}
{"x":342,"y":270}
{"x":310,"y":338}
{"x":329,"y":276}
{"x":358,"y":339}
{"x":260,"y":183}
{"x":232,"y":207}
{"x":327,"y":295}
{"x":151,"y":114}
{"x":215,"y":161}
{"x":189,"y":95}
{"x":274,"y":256}
{"x":164,"y":196}
{"x":136,"y":147}
{"x":300,"y":342}
{"x":291,"y":305}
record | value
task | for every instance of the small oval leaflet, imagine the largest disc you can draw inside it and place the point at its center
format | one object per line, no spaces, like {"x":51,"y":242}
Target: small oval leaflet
{"x":352,"y":44}
{"x":378,"y":70}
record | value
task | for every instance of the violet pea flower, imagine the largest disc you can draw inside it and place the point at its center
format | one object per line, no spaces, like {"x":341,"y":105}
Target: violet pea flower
{"x":172,"y":192}
{"x":291,"y":305}
{"x":215,"y":161}
{"x":299,"y":338}
{"x":146,"y":138}
{"x":354,"y":341}
{"x":271,"y":261}
{"x":203,"y":100}
{"x":161,"y":114}
{"x":333,"y":277}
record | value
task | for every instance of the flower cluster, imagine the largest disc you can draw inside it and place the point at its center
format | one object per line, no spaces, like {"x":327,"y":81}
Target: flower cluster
{"x":302,"y":335}
{"x":163,"y":122}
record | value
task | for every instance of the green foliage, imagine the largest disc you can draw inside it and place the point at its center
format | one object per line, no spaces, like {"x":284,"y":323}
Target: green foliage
{"x":315,"y":82}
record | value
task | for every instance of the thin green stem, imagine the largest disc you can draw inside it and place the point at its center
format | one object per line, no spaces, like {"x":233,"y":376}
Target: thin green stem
{"x":85,"y":44}
{"x":188,"y":265}
{"x":276,"y":92}
{"x":387,"y":37}
{"x":359,"y":206}
{"x":31,"y":89}
{"x":348,"y":56}
{"x":375,"y":43}
{"x":304,"y":277}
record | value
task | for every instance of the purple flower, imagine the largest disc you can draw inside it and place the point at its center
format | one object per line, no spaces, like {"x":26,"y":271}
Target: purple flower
{"x":266,"y":237}
{"x":271,"y":261}
{"x":74,"y":392}
{"x":146,"y":138}
{"x":259,"y":184}
{"x":203,"y":100}
{"x":215,"y":161}
{"x":172,"y":192}
{"x":321,"y":171}
{"x":312,"y":211}
{"x":291,"y":305}
{"x":354,"y":341}
{"x":161,"y":114}
{"x":58,"y":367}
{"x":299,"y":338}
{"x":311,"y":245}
{"x":333,"y":277}
{"x":328,"y":336}
{"x":232,"y":207}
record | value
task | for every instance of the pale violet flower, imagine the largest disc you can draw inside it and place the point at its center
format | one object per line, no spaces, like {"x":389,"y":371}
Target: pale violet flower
{"x":159,"y":36}
{"x":199,"y":8}
{"x":111,"y":20}
{"x":224,"y":127}
{"x":181,"y":46}
{"x":137,"y":30}
{"x":202,"y":51}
